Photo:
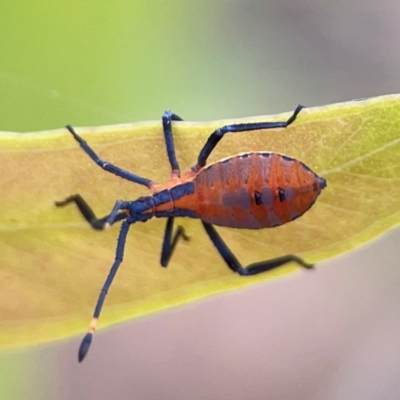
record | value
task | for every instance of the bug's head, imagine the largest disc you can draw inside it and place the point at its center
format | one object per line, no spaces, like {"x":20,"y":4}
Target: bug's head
{"x":141,"y":209}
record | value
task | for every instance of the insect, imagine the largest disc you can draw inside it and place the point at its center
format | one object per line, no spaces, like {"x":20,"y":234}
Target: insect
{"x":251,"y":190}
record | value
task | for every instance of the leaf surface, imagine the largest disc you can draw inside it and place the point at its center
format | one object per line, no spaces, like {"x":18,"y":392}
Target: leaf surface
{"x":53,"y":265}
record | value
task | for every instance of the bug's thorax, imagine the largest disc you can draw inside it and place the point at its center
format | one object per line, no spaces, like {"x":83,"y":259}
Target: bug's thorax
{"x":163,"y":200}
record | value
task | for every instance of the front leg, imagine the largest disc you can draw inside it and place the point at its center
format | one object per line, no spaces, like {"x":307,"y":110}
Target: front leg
{"x":106,"y":165}
{"x":88,"y":213}
{"x":167,"y":119}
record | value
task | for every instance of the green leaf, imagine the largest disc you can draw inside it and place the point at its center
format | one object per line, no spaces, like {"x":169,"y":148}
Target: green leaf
{"x":53,"y":264}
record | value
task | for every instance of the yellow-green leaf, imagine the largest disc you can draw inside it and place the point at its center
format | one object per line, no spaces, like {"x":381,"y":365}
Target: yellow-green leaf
{"x":53,"y":265}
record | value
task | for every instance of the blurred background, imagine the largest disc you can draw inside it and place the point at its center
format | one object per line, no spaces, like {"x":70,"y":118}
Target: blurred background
{"x":333,"y":334}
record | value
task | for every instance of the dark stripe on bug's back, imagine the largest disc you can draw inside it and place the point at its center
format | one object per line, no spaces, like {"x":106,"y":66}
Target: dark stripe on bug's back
{"x":177,"y":212}
{"x":181,"y":190}
{"x":162,"y":197}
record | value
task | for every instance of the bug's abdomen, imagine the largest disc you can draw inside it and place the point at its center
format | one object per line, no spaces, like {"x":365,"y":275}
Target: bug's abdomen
{"x":254,"y":190}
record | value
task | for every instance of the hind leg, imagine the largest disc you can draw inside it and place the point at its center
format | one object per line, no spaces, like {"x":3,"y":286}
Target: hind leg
{"x":252,"y":269}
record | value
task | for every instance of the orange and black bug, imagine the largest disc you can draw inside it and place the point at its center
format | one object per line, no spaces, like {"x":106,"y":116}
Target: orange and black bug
{"x":251,"y":190}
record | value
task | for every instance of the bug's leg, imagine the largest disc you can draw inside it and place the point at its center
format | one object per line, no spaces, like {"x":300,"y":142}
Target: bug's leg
{"x":217,"y":135}
{"x":252,"y":269}
{"x":86,"y":341}
{"x":107,"y":166}
{"x":170,"y":241}
{"x":88,"y":213}
{"x":167,"y":119}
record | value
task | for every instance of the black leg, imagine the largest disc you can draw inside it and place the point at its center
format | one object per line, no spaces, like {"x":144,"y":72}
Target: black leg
{"x":87,"y":340}
{"x":217,"y":135}
{"x":107,"y":166}
{"x":88,"y":213}
{"x":252,"y":269}
{"x":167,"y":119}
{"x":169,"y":244}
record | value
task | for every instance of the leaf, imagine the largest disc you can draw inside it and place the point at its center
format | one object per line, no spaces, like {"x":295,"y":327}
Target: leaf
{"x":53,"y":264}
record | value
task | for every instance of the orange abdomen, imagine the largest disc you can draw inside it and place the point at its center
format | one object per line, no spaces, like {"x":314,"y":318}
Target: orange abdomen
{"x":253,"y":191}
